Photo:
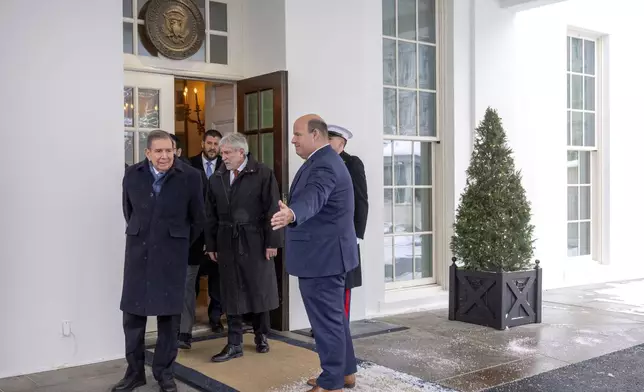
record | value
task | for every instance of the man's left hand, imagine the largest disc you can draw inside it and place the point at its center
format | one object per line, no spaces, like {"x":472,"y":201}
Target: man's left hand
{"x":271,"y":252}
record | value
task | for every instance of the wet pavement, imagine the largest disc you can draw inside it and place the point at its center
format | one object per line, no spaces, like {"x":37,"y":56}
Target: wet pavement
{"x":91,"y":378}
{"x":618,"y":371}
{"x":578,"y":323}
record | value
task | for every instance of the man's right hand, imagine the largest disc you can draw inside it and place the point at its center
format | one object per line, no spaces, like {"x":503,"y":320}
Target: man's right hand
{"x":283,"y":217}
{"x":213,"y":256}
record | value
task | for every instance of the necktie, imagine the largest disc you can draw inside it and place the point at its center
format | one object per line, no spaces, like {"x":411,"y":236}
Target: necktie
{"x":235,"y":174}
{"x":208,"y":169}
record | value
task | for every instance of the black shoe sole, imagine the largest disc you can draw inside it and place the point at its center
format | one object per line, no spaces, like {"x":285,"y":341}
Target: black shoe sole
{"x":346,"y":386}
{"x":131,"y":388}
{"x":227,"y":358}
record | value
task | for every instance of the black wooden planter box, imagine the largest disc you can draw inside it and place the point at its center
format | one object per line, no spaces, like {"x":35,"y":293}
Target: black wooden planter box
{"x":495,"y":299}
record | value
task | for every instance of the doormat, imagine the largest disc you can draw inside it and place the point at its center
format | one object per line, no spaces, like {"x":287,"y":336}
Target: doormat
{"x":363,"y":329}
{"x":286,"y":368}
{"x":619,"y":371}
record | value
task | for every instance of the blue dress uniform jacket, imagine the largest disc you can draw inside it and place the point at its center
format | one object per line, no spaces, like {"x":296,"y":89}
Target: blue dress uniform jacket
{"x":160,"y":230}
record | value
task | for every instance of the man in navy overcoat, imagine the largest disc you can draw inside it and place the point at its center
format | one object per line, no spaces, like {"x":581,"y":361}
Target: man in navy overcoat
{"x":321,"y":247}
{"x":163,"y":207}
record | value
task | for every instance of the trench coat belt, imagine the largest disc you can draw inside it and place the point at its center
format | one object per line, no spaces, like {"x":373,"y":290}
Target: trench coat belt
{"x":239,"y":232}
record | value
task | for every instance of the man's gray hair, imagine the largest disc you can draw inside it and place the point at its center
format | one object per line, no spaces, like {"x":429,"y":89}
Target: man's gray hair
{"x":236,"y":141}
{"x":158,"y":134}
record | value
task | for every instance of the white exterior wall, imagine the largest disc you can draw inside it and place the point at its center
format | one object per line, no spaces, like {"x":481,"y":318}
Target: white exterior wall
{"x":520,"y":69}
{"x":543,"y":53}
{"x":334,"y":60}
{"x":62,"y":224}
{"x":264,"y":40}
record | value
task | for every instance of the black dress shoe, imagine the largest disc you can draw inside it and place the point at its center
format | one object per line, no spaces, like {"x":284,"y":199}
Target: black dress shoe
{"x":261,"y":344}
{"x":167,"y":386}
{"x":185,"y":341}
{"x":217,"y":327}
{"x":129,"y":383}
{"x":229,"y":352}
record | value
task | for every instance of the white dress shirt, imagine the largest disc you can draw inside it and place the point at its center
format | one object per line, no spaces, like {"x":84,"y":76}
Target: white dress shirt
{"x":213,"y":164}
{"x":316,"y":151}
{"x":241,"y":167}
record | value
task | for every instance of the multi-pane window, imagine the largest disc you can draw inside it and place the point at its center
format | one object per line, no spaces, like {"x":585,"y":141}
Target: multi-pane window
{"x":214,"y":49}
{"x":141,"y":115}
{"x":581,"y":141}
{"x":258,"y":125}
{"x":410,"y":131}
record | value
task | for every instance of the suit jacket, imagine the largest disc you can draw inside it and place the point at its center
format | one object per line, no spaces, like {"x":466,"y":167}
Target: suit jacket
{"x":359,"y":179}
{"x":322,"y":239}
{"x":196,"y":250}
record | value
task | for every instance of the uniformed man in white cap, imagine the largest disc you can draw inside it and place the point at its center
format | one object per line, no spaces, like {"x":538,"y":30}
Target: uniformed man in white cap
{"x":338,"y":137}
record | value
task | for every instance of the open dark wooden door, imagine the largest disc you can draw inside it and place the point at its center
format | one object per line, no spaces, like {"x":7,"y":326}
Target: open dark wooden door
{"x":262,"y":118}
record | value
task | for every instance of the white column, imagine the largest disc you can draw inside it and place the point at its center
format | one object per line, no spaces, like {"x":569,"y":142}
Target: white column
{"x":62,"y":235}
{"x":334,"y":60}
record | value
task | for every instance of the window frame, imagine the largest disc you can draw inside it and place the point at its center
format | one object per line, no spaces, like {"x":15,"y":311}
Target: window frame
{"x":136,"y":128}
{"x":432,"y":141}
{"x":598,"y":162}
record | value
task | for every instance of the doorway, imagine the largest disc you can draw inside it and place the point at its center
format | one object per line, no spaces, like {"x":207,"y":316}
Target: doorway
{"x":187,"y":107}
{"x":262,"y":116}
{"x":200,"y":105}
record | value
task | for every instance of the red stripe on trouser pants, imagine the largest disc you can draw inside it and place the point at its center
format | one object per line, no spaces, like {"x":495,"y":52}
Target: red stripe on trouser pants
{"x":347,"y":302}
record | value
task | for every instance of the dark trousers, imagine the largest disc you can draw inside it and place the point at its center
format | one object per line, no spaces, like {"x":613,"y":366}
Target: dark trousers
{"x":261,"y":326}
{"x":211,"y":269}
{"x":165,"y":351}
{"x":347,"y":306}
{"x":189,"y":301}
{"x":324,"y":304}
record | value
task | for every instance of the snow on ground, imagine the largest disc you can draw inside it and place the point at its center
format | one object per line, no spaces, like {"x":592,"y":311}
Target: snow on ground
{"x":627,"y":293}
{"x":521,"y":346}
{"x":376,"y":378}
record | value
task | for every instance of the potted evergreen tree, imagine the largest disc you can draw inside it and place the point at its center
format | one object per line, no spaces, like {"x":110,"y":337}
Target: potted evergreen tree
{"x":493,"y":281}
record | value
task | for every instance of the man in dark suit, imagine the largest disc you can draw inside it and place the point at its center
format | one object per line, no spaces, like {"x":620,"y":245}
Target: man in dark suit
{"x":207,"y":162}
{"x":194,"y":260}
{"x":164,"y":209}
{"x":321,"y":247}
{"x":178,"y":151}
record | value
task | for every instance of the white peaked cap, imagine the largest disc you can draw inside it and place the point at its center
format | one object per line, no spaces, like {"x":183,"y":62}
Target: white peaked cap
{"x":336,"y":130}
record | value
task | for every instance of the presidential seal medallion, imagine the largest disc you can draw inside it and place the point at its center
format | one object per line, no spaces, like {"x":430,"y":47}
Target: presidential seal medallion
{"x":175,"y":27}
